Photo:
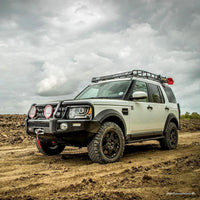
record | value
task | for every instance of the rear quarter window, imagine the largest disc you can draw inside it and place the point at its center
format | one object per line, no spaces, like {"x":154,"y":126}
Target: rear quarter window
{"x":170,"y":94}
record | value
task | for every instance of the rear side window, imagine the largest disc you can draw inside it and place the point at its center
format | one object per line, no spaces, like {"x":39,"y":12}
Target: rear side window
{"x":155,"y":94}
{"x":170,"y":94}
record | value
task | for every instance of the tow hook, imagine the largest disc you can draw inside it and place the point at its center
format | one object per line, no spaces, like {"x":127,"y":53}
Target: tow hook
{"x":39,"y":131}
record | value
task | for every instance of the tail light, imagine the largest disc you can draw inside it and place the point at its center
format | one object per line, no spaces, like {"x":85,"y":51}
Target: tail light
{"x":179,"y":110}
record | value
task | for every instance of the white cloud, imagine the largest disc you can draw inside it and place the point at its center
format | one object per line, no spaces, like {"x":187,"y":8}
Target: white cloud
{"x":56,"y":49}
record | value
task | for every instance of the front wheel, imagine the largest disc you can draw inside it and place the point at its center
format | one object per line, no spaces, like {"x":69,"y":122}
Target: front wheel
{"x":49,"y":148}
{"x":108,"y":144}
{"x":171,"y":137}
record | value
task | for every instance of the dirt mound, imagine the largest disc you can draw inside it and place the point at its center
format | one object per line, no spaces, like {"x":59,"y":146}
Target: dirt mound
{"x":12,"y":130}
{"x":190,"y":125}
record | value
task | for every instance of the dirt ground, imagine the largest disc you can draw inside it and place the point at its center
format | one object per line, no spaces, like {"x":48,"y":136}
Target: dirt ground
{"x":145,"y":171}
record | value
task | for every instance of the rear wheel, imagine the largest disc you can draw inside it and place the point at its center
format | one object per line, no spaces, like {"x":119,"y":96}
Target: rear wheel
{"x":171,"y":137}
{"x":108,"y":144}
{"x":49,"y":148}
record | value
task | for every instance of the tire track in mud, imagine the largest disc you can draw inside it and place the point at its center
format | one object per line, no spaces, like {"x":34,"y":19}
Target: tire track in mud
{"x":134,"y":177}
{"x":144,"y":171}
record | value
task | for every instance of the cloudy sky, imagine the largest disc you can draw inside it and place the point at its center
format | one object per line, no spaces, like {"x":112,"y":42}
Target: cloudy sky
{"x":51,"y":49}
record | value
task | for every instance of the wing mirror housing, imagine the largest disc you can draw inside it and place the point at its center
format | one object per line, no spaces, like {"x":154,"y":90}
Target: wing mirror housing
{"x":139,"y":95}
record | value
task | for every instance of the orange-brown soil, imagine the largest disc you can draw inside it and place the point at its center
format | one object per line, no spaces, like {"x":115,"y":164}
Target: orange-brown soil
{"x":145,"y":171}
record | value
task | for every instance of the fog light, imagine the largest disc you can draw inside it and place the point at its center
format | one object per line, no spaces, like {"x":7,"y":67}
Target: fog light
{"x":64,"y":126}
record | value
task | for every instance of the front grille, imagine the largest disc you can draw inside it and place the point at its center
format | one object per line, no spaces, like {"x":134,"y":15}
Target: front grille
{"x":64,"y":111}
{"x":40,"y":112}
{"x":59,"y":113}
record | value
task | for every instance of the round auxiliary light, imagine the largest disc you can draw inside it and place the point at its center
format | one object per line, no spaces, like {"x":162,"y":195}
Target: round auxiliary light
{"x":48,"y":111}
{"x":32,"y":112}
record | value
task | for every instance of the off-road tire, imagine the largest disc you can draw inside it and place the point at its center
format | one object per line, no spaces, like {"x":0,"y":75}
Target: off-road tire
{"x":48,"y":149}
{"x":111,"y":135}
{"x":171,"y":137}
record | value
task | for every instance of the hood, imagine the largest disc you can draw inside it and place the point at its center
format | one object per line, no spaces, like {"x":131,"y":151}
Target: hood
{"x":113,"y":102}
{"x":98,"y":102}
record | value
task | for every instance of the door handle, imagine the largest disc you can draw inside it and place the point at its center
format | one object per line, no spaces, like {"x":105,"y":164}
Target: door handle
{"x":166,"y":108}
{"x":150,"y":107}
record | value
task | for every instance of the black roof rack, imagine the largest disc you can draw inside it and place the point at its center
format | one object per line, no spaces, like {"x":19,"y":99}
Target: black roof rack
{"x":130,"y":74}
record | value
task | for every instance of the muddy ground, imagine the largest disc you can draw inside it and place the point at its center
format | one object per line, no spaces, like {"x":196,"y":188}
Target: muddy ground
{"x":145,"y":171}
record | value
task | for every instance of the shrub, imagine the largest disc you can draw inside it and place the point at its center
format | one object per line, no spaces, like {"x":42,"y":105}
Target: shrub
{"x":187,"y":115}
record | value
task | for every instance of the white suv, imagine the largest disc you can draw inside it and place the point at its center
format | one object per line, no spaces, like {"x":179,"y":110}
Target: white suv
{"x":113,"y":111}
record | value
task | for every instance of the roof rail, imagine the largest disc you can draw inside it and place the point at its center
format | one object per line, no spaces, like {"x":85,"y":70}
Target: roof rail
{"x":130,"y":74}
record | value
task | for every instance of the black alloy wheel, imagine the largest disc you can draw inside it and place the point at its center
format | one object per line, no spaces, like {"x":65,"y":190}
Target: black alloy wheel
{"x":173,"y":138}
{"x":108,"y":144}
{"x":170,"y":141}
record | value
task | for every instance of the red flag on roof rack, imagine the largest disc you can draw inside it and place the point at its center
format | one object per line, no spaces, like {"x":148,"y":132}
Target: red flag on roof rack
{"x":170,"y":81}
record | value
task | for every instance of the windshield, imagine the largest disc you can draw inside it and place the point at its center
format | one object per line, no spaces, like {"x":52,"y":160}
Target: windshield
{"x":114,"y":89}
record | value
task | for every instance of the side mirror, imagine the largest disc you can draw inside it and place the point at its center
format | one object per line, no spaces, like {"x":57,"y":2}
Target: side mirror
{"x":139,"y":95}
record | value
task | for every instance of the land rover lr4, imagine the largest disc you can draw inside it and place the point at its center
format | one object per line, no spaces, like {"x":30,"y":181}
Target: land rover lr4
{"x":113,"y":111}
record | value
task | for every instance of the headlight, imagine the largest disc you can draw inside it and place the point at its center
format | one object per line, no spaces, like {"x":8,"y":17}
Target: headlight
{"x":32,"y":112}
{"x":80,"y":113}
{"x":48,"y":111}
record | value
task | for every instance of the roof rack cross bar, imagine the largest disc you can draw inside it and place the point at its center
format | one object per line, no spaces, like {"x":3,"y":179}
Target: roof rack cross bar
{"x":131,"y":74}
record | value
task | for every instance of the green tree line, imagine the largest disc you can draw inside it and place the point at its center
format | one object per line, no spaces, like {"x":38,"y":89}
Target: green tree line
{"x":193,"y":115}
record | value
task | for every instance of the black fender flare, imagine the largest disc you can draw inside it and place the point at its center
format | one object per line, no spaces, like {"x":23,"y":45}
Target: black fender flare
{"x":171,"y":117}
{"x":103,"y":115}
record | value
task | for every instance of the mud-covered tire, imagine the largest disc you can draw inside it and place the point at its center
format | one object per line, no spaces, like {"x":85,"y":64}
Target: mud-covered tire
{"x":108,"y":144}
{"x":48,"y":148}
{"x":171,"y":137}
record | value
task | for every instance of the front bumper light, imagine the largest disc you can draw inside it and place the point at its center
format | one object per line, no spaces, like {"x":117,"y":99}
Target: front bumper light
{"x":80,"y":112}
{"x":64,"y":126}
